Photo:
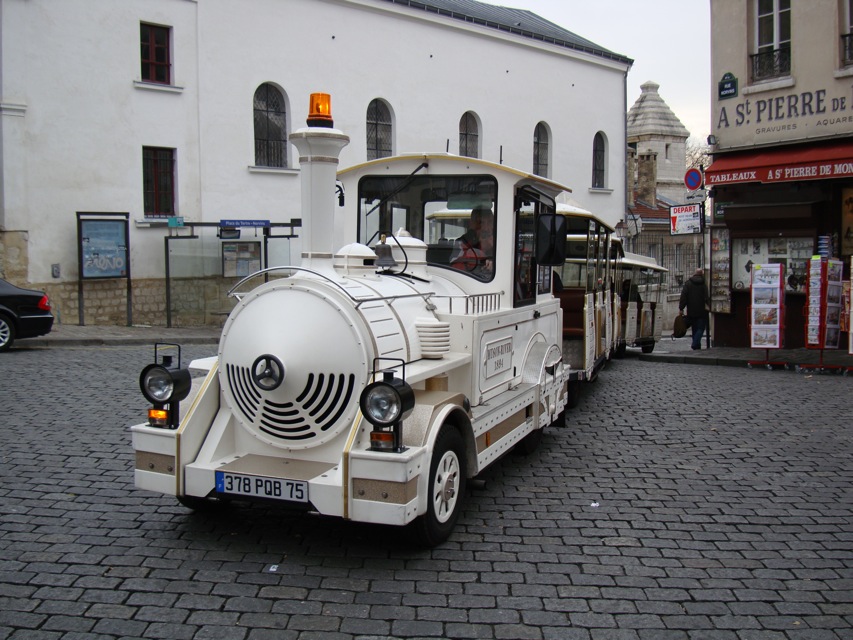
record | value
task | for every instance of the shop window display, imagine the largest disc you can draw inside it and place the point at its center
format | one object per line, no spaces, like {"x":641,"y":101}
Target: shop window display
{"x":792,"y":253}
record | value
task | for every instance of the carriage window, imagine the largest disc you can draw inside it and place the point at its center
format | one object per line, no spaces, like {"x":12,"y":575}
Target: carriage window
{"x":574,"y":272}
{"x":453,"y":215}
{"x":529,"y":279}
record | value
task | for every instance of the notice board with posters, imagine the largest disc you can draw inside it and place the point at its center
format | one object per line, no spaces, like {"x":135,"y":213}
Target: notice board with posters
{"x":823,"y":303}
{"x":240,"y":259}
{"x":767,"y":317}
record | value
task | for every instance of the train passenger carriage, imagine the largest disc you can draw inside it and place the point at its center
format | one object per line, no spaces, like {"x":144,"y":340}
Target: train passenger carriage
{"x":641,"y":292}
{"x":417,"y":342}
{"x":585,"y":291}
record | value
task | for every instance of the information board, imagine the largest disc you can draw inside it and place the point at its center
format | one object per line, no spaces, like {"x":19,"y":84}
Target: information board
{"x":103,"y":248}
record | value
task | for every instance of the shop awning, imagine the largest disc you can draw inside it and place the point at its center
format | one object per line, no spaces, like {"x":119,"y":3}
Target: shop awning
{"x":813,"y":162}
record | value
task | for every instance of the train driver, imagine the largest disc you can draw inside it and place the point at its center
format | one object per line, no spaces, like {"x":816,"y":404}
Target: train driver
{"x":475,"y":249}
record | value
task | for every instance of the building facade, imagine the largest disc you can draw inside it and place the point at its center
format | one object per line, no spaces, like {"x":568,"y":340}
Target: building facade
{"x":144,"y":148}
{"x":782,"y":143}
{"x":657,"y":159}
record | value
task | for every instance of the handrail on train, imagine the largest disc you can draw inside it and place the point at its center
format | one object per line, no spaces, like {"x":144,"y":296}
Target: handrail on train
{"x":474,"y":303}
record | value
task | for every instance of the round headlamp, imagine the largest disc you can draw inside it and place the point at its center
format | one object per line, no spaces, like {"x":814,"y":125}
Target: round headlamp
{"x":160,"y":385}
{"x":386,"y":402}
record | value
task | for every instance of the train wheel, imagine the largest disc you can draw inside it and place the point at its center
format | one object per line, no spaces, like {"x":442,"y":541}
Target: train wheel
{"x":447,"y":480}
{"x":197,"y":503}
{"x":529,"y":443}
{"x":573,"y":395}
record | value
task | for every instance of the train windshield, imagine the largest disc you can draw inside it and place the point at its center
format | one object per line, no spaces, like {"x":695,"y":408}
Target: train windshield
{"x":454,"y":215}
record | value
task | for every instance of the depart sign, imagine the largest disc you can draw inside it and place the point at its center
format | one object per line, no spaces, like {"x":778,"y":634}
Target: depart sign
{"x":685,"y":219}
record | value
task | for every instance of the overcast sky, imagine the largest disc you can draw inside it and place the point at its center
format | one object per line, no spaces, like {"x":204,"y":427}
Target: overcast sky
{"x":669,"y":41}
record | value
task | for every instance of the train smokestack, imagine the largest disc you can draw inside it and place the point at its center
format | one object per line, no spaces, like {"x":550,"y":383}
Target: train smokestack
{"x":319,"y":146}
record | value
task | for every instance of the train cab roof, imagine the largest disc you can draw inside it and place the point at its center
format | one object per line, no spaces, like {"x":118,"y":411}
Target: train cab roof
{"x":570,"y":209}
{"x":448,"y":164}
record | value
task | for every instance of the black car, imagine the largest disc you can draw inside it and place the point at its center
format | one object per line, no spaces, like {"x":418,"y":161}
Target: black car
{"x":24,"y":313}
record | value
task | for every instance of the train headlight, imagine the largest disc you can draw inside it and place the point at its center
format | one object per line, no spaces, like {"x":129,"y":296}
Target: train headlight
{"x":388,"y":401}
{"x":386,"y":404}
{"x":165,"y":385}
{"x":161,"y":386}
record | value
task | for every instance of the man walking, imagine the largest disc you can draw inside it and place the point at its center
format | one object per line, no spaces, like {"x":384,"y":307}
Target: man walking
{"x":695,"y":298}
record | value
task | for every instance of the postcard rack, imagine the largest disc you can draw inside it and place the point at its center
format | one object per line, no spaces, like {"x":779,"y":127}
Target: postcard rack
{"x":823,"y":309}
{"x":767,"y":312}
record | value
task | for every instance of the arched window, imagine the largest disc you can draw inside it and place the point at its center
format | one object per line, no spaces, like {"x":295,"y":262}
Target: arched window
{"x":270,"y":127}
{"x":599,"y":161}
{"x":469,"y":136}
{"x":379,"y":130}
{"x":540,"y":150}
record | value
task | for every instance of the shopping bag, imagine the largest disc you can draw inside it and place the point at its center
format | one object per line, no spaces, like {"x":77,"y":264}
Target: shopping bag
{"x":679,"y":327}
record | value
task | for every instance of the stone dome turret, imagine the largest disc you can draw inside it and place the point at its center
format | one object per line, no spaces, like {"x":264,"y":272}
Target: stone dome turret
{"x":651,"y":116}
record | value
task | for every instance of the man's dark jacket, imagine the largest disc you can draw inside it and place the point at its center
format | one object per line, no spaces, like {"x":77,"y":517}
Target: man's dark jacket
{"x":694,"y":296}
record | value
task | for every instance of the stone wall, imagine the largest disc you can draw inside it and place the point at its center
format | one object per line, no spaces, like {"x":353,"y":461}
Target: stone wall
{"x":194,"y":301}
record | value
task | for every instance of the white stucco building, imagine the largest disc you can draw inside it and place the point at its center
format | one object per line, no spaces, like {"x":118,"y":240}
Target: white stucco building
{"x":157,"y":109}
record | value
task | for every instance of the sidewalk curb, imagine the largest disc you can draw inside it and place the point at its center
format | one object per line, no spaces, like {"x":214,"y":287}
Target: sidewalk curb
{"x":721,"y":362}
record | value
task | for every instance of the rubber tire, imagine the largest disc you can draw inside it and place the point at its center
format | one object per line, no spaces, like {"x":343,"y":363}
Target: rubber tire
{"x":431,"y":529}
{"x":7,"y":333}
{"x":648,"y":348}
{"x":573,"y":394}
{"x":195,"y":503}
{"x":529,"y":443}
{"x":620,"y":350}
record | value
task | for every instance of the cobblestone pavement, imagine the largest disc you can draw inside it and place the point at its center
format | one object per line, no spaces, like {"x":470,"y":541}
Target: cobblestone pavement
{"x":679,"y":503}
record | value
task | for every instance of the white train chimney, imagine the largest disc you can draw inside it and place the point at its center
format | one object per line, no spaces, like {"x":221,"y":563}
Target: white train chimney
{"x":319,"y":146}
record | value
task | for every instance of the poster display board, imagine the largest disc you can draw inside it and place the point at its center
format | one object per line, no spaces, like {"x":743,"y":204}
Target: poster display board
{"x":240,"y":259}
{"x":767,"y":325}
{"x":103,"y":245}
{"x":823,"y":303}
{"x":721,"y":276}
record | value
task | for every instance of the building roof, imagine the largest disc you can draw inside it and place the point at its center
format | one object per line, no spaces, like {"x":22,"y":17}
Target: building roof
{"x":651,"y":214}
{"x":516,"y":21}
{"x":651,"y":116}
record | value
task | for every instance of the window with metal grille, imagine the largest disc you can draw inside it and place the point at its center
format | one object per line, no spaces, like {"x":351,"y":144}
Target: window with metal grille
{"x":270,"y":127}
{"x":469,"y":143}
{"x":598,"y":161}
{"x":773,"y":40}
{"x":540,"y":150}
{"x":155,"y":53}
{"x":158,"y":181}
{"x":847,"y":36}
{"x":379,"y":130}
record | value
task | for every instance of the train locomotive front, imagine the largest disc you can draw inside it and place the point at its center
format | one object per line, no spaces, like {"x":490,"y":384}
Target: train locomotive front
{"x":355,"y":388}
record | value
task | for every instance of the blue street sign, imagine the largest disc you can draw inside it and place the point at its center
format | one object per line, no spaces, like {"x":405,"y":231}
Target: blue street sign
{"x":244,"y":223}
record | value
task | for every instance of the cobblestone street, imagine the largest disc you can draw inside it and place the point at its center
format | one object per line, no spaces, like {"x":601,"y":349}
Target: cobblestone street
{"x":681,"y":502}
